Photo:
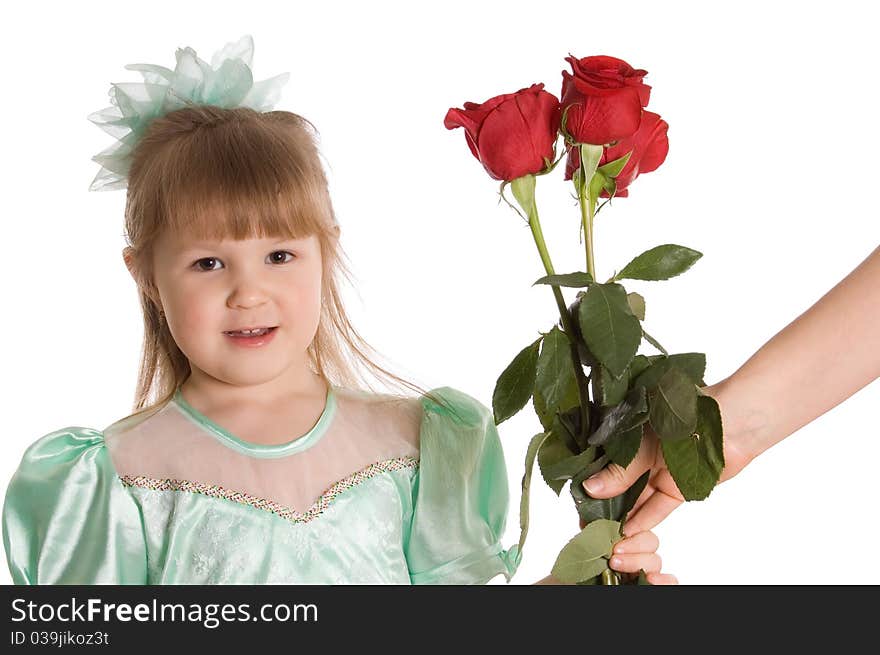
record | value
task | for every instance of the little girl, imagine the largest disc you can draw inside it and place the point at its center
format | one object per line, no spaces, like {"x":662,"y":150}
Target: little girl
{"x":253,"y":456}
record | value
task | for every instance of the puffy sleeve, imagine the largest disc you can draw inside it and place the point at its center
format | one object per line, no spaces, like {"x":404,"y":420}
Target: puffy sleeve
{"x":67,"y":519}
{"x":460,"y":496}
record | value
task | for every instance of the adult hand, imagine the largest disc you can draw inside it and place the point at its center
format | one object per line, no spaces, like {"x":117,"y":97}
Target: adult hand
{"x":638,"y":551}
{"x":661,"y":495}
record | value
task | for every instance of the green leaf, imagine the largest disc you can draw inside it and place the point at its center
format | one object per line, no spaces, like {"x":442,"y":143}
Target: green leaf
{"x":696,"y":463}
{"x":564,"y":427}
{"x":608,"y":326}
{"x":587,"y":358}
{"x":586,"y":554}
{"x":611,"y":188}
{"x":631,"y":412}
{"x":552,"y":451}
{"x":613,"y":390}
{"x":613,"y":168}
{"x":693,"y":365}
{"x":593,"y":467}
{"x":636,"y":304}
{"x":589,"y":508}
{"x":555,"y":379}
{"x":599,"y":182}
{"x":622,"y":447}
{"x":568,"y":467}
{"x":654,"y":342}
{"x":516,"y":383}
{"x":673,"y":404}
{"x":577,"y":480}
{"x":657,"y":367}
{"x":531,"y":452}
{"x":639,"y":365}
{"x":660,"y":263}
{"x":643,"y":578}
{"x":540,"y":407}
{"x":567,"y":425}
{"x":577,"y":279}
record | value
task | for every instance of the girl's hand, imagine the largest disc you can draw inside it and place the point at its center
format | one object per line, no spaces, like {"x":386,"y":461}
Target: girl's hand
{"x":639,"y":551}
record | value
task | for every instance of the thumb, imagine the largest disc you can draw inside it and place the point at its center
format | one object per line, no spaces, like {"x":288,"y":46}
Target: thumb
{"x":613,"y":480}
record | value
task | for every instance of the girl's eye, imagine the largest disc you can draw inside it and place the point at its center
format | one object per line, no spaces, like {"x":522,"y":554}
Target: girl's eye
{"x":278,"y":257}
{"x":207,"y":263}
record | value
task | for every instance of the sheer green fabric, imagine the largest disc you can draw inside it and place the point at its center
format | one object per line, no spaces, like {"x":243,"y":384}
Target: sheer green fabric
{"x":69,"y":517}
{"x":226,"y":82}
{"x":461,"y":496}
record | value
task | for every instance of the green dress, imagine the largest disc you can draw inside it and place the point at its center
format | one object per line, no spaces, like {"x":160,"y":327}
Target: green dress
{"x":377,"y":492}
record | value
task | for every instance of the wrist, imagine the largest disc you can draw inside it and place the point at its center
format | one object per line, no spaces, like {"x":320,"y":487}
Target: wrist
{"x":745,"y":424}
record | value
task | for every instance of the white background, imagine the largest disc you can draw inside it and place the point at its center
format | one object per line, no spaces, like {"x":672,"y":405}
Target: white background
{"x":771,"y":174}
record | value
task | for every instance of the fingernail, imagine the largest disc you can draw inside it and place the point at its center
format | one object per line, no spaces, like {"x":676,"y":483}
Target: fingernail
{"x":593,"y":484}
{"x":616,"y":561}
{"x":619,"y":549}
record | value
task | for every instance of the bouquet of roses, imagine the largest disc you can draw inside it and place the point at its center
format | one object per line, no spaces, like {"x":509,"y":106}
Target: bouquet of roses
{"x":594,"y":395}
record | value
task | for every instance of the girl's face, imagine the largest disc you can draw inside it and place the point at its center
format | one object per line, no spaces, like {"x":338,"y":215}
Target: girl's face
{"x":210,"y":288}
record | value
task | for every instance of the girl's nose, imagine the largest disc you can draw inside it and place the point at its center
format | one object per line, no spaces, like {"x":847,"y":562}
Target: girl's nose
{"x":246,"y":293}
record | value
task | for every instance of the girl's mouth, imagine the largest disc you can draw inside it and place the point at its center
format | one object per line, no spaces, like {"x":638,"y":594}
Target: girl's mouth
{"x":252,"y":338}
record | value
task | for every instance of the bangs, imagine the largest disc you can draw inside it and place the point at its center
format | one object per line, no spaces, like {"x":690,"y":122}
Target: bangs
{"x":222,"y":174}
{"x":231,"y":181}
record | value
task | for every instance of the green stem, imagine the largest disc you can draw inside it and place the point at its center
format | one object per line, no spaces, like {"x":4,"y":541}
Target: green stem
{"x":588,"y":205}
{"x":587,"y":214}
{"x":610,"y":577}
{"x":535,"y":225}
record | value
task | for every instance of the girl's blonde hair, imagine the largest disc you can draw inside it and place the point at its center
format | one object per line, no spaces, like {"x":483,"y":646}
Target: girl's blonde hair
{"x":237,"y":173}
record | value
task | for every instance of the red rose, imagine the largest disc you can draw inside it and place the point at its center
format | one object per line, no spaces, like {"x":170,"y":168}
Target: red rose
{"x":512,"y":134}
{"x":649,"y":145}
{"x":604,"y":97}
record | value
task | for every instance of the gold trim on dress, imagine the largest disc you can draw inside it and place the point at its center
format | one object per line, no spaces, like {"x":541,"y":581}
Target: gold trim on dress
{"x":283,"y":511}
